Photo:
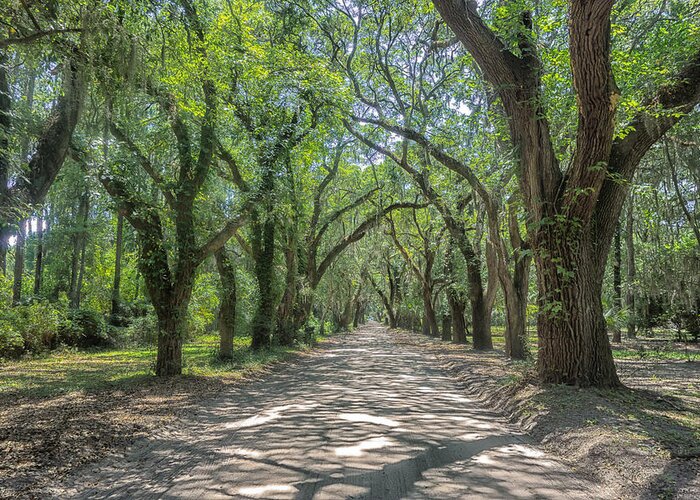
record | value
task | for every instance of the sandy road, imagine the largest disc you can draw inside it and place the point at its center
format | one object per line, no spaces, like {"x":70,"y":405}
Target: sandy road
{"x":362,"y":418}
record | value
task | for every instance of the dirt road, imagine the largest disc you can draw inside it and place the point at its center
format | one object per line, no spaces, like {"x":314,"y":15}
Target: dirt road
{"x":364,"y":417}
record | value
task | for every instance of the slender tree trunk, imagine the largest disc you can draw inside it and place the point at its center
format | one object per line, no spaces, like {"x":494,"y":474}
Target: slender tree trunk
{"x":78,"y":251}
{"x":631,"y":271}
{"x":5,"y":125}
{"x":617,"y":284}
{"x":116,"y":285}
{"x":492,"y":281}
{"x":4,"y":245}
{"x":573,"y":342}
{"x":39,"y":262}
{"x":19,"y":263}
{"x":227,"y":309}
{"x":81,"y":273}
{"x":515,"y":291}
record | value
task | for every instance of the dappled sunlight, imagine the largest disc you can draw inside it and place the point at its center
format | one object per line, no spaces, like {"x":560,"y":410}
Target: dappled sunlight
{"x":359,"y":449}
{"x":260,"y":491}
{"x":370,"y":419}
{"x":348,"y":421}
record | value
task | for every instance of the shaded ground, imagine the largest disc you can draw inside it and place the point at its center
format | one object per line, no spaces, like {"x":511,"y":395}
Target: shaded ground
{"x":67,"y":409}
{"x":641,"y":442}
{"x":366,"y":417}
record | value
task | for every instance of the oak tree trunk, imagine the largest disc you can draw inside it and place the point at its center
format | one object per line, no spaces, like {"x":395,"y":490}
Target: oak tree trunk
{"x":227,"y":308}
{"x":171,"y":329}
{"x":573,"y":342}
{"x":446,"y":327}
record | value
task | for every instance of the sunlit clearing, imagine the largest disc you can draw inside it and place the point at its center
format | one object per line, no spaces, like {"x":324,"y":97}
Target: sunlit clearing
{"x":370,"y":419}
{"x":359,"y":449}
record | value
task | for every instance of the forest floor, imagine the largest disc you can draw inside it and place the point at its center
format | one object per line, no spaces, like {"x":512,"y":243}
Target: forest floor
{"x":69,"y":408}
{"x":366,"y":415}
{"x":641,"y":442}
{"x":374,"y":413}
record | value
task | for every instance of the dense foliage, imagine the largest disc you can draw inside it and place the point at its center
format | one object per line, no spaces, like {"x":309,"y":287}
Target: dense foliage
{"x":269,"y":169}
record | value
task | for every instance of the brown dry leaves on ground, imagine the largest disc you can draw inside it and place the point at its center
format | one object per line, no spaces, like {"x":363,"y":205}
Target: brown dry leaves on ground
{"x":43,"y":439}
{"x":643,"y":442}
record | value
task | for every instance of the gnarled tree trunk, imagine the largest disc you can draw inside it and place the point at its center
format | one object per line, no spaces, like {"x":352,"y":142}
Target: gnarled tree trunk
{"x":573,"y":341}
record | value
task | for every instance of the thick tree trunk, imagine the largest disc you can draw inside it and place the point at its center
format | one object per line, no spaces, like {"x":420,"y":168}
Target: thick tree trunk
{"x":171,"y":326}
{"x":459,"y":329}
{"x":286,"y":321}
{"x":264,"y":250}
{"x":39,"y":260}
{"x":227,"y":308}
{"x":446,"y":327}
{"x":481,"y":324}
{"x":515,"y":293}
{"x":19,"y":263}
{"x":573,"y":342}
{"x":430,"y":318}
{"x":617,"y":284}
{"x":116,"y":284}
{"x":357,"y":318}
{"x":631,"y":272}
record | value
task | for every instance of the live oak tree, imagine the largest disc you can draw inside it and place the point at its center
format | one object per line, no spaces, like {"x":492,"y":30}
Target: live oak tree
{"x":170,"y":285}
{"x":573,"y":212}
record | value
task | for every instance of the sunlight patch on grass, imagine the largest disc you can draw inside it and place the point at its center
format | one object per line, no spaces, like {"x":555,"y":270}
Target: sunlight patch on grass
{"x":71,"y":370}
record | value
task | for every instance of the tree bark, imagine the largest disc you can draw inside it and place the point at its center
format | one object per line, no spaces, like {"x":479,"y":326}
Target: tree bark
{"x":264,"y":250}
{"x":446,"y":328}
{"x":430,"y":327}
{"x":5,"y":126}
{"x":79,"y":242}
{"x":39,"y":260}
{"x":171,"y":330}
{"x":227,"y":308}
{"x":617,"y":284}
{"x":116,"y":284}
{"x":573,"y":342}
{"x":19,"y":263}
{"x":286,"y":317}
{"x":631,"y":271}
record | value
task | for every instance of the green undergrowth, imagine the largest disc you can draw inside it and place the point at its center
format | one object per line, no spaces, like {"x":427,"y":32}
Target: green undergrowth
{"x":70,"y":370}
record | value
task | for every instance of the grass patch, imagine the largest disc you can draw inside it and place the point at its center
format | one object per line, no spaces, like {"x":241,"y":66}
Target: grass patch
{"x":661,"y":352}
{"x":70,"y":370}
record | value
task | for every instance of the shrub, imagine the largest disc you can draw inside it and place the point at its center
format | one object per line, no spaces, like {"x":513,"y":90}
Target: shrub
{"x":142,"y":330}
{"x":11,"y":341}
{"x":85,"y":328}
{"x":39,"y":323}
